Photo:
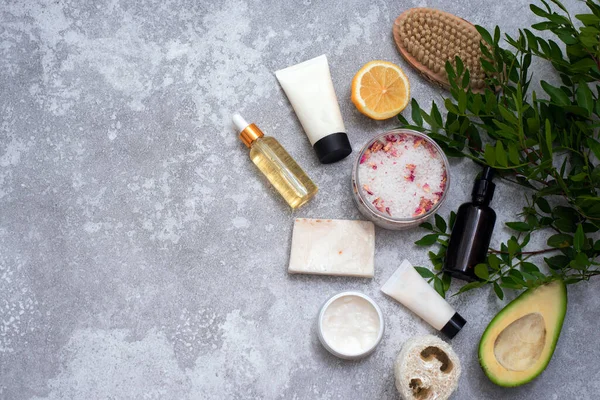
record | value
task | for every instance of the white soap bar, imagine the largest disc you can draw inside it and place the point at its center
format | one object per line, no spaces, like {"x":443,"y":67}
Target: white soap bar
{"x":333,"y":247}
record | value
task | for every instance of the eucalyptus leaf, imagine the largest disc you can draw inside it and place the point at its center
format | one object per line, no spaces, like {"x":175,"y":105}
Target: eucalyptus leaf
{"x":498,"y":291}
{"x":466,"y":79}
{"x":560,"y":240}
{"x":425,"y":272}
{"x":494,"y":262}
{"x":438,"y":285}
{"x":518,"y":226}
{"x":584,"y":65}
{"x":538,"y":11}
{"x":556,"y":94}
{"x":588,"y":19}
{"x":565,"y":225}
{"x":557,"y":262}
{"x":513,"y":154}
{"x":402,"y":120}
{"x":580,"y":262}
{"x":543,"y":26}
{"x":579,"y":238}
{"x":513,"y":247}
{"x":484,"y":34}
{"x":549,"y":137}
{"x":470,"y":286}
{"x":560,"y":5}
{"x":490,"y":155}
{"x":446,"y":281}
{"x":416,"y":113}
{"x":594,"y":146}
{"x":426,"y":225}
{"x":440,"y":223}
{"x":501,"y":156}
{"x":529,"y":267}
{"x":481,"y":271}
{"x":427,"y":240}
{"x":543,"y":205}
{"x":452,"y":219}
{"x":435,"y":113}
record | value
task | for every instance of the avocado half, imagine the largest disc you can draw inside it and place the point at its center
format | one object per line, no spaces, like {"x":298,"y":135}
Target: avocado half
{"x":518,"y":343}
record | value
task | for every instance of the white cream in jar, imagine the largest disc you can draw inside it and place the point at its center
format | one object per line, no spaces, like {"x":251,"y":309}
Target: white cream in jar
{"x":350,"y":325}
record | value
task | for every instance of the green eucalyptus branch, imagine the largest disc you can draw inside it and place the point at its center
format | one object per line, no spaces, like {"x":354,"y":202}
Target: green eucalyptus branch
{"x":548,"y":145}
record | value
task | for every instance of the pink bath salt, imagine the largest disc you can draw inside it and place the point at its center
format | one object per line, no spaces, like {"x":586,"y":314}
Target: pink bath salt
{"x":410,"y":177}
{"x":375,"y":147}
{"x":365,"y":156}
{"x":424,"y":206}
{"x":411,"y":172}
{"x":378,"y":203}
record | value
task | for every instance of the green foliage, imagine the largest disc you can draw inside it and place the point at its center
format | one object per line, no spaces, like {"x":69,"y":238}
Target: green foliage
{"x":548,"y":144}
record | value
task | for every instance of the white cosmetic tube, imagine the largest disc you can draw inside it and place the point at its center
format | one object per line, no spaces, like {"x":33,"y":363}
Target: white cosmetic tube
{"x":309,"y":88}
{"x":409,"y":288}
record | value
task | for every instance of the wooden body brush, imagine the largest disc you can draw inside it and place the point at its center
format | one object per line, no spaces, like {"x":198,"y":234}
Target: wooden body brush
{"x":427,"y":38}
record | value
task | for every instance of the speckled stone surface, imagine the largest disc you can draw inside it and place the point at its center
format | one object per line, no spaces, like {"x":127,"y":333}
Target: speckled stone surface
{"x":141,"y":253}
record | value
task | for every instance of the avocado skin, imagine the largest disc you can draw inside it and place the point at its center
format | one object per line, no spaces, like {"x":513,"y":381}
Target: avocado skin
{"x":523,"y":298}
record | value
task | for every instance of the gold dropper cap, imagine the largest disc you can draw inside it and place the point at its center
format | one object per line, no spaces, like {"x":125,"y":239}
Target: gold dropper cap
{"x":248,"y":132}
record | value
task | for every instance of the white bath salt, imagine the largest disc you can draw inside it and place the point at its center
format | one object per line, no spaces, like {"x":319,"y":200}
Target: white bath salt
{"x":403,"y":176}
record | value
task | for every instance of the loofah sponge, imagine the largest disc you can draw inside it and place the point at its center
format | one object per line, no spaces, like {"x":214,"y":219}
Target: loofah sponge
{"x":427,"y":368}
{"x":427,"y":38}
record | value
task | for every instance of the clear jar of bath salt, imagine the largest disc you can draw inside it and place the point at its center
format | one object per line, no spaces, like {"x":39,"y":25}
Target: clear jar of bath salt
{"x":400,"y":178}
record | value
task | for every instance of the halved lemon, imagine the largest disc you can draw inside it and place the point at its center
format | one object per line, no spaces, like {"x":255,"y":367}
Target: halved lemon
{"x":380,"y":90}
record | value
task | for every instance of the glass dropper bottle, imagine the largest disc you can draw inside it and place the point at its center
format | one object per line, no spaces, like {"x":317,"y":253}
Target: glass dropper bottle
{"x":472,"y":232}
{"x":276,"y":164}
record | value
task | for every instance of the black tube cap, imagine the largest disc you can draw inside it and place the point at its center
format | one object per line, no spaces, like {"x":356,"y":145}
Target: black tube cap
{"x":332,"y":148}
{"x":453,"y":326}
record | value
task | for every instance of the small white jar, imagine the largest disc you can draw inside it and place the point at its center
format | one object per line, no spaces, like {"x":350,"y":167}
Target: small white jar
{"x":350,"y":325}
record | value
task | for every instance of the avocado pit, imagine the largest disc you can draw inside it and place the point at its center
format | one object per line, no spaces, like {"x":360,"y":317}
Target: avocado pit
{"x":520,"y":344}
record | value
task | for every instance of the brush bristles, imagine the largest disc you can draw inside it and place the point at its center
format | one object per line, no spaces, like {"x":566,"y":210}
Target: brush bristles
{"x":433,"y":37}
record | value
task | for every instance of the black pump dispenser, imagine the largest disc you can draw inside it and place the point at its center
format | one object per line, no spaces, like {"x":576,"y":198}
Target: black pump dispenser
{"x":472,"y":230}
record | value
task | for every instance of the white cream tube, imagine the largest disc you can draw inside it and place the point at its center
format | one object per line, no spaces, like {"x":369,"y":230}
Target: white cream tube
{"x":309,"y":88}
{"x":410,"y":289}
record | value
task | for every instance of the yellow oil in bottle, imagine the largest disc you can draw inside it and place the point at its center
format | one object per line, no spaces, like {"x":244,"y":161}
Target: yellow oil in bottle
{"x":282,"y":171}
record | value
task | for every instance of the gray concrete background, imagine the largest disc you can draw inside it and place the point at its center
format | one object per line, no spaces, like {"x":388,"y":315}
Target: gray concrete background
{"x":141,"y":253}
